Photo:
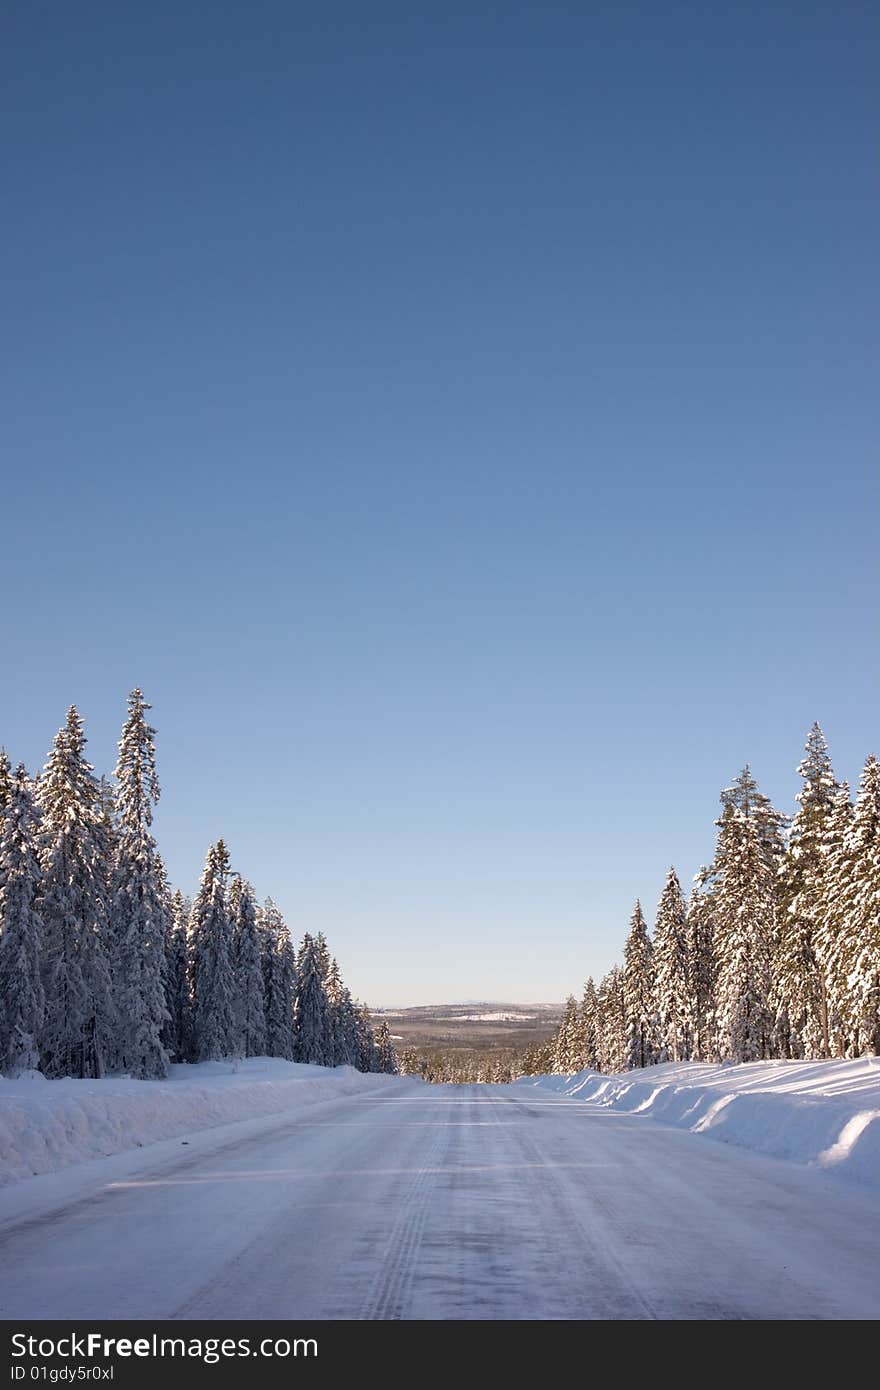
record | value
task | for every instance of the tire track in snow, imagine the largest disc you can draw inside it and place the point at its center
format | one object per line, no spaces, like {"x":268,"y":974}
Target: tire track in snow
{"x":567,"y":1214}
{"x":387,"y":1297}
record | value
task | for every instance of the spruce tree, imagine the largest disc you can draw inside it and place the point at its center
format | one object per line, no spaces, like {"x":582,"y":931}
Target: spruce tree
{"x":567,"y":1049}
{"x":672,"y":971}
{"x":5,"y":791}
{"x":589,"y":1027}
{"x":139,"y":910}
{"x":342,"y":1022}
{"x":213,"y":985}
{"x":386,"y":1060}
{"x":322,"y":952}
{"x":178,"y":1028}
{"x":368,"y":1057}
{"x":800,"y":988}
{"x":746,"y":797}
{"x":80,"y":1017}
{"x":703,"y":969}
{"x":640,"y":1010}
{"x":860,"y":909}
{"x":312,"y":1039}
{"x":612,"y":1030}
{"x":250,"y":990}
{"x":279,"y":981}
{"x":6,"y":782}
{"x":744,"y":911}
{"x":833,"y":944}
{"x":21,"y":931}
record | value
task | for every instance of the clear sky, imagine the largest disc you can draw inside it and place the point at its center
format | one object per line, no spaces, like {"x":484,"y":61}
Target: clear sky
{"x":461,"y":419}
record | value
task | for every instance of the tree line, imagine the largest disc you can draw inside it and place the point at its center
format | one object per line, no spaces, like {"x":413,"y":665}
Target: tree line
{"x":775,"y":955}
{"x":460,"y":1066}
{"x":104,"y":969}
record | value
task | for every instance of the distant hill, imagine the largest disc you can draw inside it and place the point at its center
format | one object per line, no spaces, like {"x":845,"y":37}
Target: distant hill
{"x":482,"y":1024}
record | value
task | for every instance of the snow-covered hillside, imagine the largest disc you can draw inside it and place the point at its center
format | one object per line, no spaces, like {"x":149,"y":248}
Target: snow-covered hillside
{"x":821,"y":1113}
{"x":47,"y":1125}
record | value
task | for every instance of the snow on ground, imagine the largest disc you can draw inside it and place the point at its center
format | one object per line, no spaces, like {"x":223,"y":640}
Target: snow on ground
{"x":48,"y":1125}
{"x":403,"y":1200}
{"x":826,"y":1114}
{"x":493,"y":1018}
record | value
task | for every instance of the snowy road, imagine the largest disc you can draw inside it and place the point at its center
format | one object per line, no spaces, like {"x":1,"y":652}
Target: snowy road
{"x":441,"y":1202}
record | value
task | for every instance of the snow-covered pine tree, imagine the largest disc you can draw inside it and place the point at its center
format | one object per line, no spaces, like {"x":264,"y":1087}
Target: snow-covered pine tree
{"x":5,"y":791}
{"x":640,"y":1009}
{"x":368,"y":1058}
{"x":799,"y":986}
{"x":177,"y":1037}
{"x":312,"y":1032}
{"x":213,"y":984}
{"x":386,"y":1060}
{"x":138,"y":909}
{"x":589,"y":1022}
{"x":832,"y":941}
{"x":343,"y":1024}
{"x":746,"y":796}
{"x":703,"y":969}
{"x":860,"y":908}
{"x":279,"y":980}
{"x":322,"y":952}
{"x":611,"y":1023}
{"x":672,"y":971}
{"x":5,"y":781}
{"x":411,"y":1063}
{"x":21,"y":931}
{"x":744,"y":912}
{"x":250,"y":991}
{"x":80,"y":1018}
{"x":567,"y":1049}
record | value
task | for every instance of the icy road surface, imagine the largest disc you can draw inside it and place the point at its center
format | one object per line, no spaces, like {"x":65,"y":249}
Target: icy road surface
{"x":440,"y":1202}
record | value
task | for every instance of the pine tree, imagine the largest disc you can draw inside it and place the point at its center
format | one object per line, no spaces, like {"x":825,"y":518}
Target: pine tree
{"x":5,"y":791}
{"x":703,"y":970}
{"x":567,"y":1050}
{"x":833,"y":944}
{"x":21,"y":931}
{"x":386,"y":1060}
{"x":322,"y":952}
{"x":213,"y":985}
{"x":177,"y":1038}
{"x":746,"y":797}
{"x":343,"y":1025}
{"x":80,"y":1018}
{"x":139,"y":911}
{"x":251,"y":1013}
{"x":800,"y":988}
{"x":744,"y":910}
{"x":638,"y":994}
{"x":368,"y":1057}
{"x":672,"y":970}
{"x":589,"y":1027}
{"x":279,"y":981}
{"x":312,"y":1038}
{"x":611,"y":1023}
{"x":6,"y":782}
{"x":860,"y":909}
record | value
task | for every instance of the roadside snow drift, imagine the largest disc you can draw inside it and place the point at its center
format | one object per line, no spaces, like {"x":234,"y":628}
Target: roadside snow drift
{"x":822,"y":1113}
{"x":47,"y":1125}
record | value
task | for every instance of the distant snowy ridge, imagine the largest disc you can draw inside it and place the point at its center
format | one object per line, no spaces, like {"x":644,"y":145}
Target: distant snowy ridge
{"x":826,"y":1114}
{"x":497,"y":1017}
{"x":48,"y":1125}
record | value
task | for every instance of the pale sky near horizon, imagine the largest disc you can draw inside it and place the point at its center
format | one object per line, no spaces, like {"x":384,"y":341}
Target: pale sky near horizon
{"x":461,"y":420}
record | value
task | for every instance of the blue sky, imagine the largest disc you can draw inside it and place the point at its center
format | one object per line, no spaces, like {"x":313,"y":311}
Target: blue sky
{"x":461,"y":420}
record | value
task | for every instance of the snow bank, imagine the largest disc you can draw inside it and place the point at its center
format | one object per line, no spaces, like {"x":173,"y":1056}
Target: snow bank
{"x":47,"y":1125}
{"x":826,"y":1114}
